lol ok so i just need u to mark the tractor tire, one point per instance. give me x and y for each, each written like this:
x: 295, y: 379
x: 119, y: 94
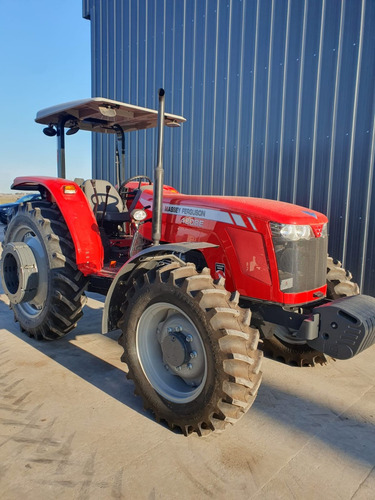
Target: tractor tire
x: 283, y: 348
x: 190, y: 350
x: 339, y: 282
x: 54, y: 305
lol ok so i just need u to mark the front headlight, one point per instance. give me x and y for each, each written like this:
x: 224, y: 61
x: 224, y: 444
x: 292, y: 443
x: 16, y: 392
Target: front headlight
x: 295, y: 233
x: 138, y: 215
x: 291, y: 232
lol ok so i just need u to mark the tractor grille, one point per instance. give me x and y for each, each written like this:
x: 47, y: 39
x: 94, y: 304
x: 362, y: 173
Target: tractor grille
x: 302, y: 264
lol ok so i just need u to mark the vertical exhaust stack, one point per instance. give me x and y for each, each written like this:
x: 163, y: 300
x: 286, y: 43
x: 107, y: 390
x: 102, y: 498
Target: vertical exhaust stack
x: 61, y: 148
x: 159, y: 175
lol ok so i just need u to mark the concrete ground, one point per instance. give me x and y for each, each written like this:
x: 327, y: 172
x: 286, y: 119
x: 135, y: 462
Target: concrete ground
x: 70, y: 427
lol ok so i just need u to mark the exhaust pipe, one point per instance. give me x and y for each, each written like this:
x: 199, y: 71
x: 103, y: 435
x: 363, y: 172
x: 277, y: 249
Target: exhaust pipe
x: 159, y: 175
x: 61, y: 147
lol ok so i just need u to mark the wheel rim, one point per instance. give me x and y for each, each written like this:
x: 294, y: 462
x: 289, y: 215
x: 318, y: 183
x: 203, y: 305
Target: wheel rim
x: 34, y: 307
x: 171, y: 353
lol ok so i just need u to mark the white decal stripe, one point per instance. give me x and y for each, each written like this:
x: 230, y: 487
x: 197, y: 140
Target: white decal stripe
x: 200, y: 213
x: 252, y: 223
x: 238, y: 220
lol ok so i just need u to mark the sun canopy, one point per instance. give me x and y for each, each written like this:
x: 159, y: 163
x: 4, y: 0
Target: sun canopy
x: 99, y: 114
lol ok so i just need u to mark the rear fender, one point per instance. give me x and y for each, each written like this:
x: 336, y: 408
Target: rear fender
x: 77, y: 214
x: 142, y: 262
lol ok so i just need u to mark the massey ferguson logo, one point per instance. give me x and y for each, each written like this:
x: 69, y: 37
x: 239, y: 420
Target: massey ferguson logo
x: 190, y: 214
x: 318, y: 230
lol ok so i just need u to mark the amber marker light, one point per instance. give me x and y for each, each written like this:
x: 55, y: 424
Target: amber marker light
x: 69, y: 189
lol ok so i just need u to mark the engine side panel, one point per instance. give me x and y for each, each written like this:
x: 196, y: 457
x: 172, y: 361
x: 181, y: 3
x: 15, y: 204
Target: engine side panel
x: 240, y: 227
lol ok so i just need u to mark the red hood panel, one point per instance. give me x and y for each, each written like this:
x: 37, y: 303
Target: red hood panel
x: 268, y: 210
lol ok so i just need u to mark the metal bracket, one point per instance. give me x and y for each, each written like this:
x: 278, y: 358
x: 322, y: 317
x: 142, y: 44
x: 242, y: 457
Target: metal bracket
x: 309, y: 330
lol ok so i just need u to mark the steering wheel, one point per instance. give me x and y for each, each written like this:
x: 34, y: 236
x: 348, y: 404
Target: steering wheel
x: 135, y: 178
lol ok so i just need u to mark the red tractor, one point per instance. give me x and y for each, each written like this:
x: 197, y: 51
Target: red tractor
x: 189, y: 280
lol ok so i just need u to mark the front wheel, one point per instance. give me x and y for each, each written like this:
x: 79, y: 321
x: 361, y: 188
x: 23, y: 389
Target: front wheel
x: 189, y: 348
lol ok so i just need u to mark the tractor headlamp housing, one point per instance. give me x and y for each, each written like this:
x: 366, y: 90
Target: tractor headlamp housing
x: 294, y: 232
x: 301, y: 255
x: 138, y: 215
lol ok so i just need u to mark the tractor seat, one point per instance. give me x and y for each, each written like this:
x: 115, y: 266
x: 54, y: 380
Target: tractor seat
x: 115, y: 211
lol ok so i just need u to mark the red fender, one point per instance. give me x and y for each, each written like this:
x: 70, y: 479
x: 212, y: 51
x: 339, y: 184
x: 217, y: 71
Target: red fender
x: 78, y: 216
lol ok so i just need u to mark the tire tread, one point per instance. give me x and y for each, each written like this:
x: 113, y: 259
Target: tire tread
x: 67, y: 282
x: 239, y: 376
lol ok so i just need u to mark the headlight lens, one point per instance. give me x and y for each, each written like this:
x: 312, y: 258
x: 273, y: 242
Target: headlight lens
x: 293, y: 232
x: 138, y: 215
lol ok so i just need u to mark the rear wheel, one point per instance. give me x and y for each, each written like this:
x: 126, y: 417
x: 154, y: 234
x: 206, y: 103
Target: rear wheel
x: 189, y: 348
x: 284, y: 347
x: 39, y: 273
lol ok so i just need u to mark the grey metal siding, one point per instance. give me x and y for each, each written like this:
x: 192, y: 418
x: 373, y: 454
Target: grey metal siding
x: 279, y: 97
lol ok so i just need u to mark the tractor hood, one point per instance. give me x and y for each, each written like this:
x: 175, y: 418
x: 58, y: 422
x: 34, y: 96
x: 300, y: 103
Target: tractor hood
x: 226, y: 208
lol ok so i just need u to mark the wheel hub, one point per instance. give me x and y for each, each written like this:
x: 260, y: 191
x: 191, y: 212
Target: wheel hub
x: 181, y: 348
x: 175, y: 349
x: 171, y: 352
x: 19, y: 272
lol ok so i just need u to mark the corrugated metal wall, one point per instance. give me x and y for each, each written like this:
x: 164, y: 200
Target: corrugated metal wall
x: 279, y: 97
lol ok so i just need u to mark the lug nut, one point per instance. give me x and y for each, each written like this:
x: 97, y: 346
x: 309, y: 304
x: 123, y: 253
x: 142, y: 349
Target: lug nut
x: 170, y: 330
x: 178, y: 329
x: 190, y: 366
x: 193, y: 354
x: 189, y: 338
x: 178, y: 368
x: 166, y: 367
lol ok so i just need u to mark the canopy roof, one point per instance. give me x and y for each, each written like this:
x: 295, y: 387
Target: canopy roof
x: 99, y: 114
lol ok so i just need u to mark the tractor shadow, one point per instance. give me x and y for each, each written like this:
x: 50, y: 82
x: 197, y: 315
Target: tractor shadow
x: 73, y: 353
x: 345, y: 432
